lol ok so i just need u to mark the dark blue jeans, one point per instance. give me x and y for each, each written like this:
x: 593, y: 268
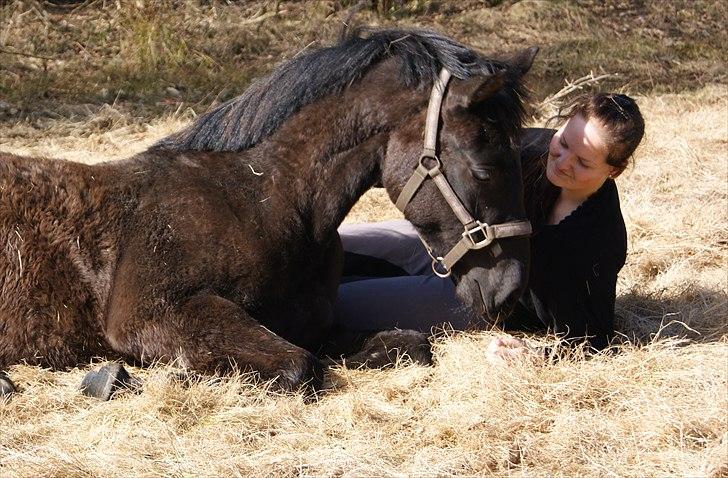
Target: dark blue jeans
x: 416, y: 299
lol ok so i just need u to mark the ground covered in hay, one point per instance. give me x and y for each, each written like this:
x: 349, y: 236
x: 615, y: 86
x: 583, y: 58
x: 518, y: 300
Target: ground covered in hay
x: 656, y: 407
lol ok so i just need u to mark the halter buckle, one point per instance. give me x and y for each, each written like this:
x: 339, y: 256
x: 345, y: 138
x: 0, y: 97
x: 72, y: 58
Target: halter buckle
x: 479, y: 235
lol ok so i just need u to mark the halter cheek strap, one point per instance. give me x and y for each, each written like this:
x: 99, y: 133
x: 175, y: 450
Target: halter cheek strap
x: 477, y: 235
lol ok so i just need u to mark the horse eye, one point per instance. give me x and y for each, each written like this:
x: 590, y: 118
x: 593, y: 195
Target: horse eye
x: 481, y: 174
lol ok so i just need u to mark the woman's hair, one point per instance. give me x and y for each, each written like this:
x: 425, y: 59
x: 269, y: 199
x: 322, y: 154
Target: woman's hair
x: 621, y: 119
x: 624, y: 126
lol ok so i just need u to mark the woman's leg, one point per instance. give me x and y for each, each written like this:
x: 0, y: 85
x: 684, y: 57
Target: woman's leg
x: 393, y: 241
x: 405, y: 302
x: 388, y: 282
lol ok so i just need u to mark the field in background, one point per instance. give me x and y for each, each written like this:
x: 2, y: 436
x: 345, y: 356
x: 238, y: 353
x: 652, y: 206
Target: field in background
x: 114, y: 80
x: 152, y: 57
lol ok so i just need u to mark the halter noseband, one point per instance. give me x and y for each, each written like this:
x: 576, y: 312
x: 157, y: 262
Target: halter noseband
x: 477, y: 235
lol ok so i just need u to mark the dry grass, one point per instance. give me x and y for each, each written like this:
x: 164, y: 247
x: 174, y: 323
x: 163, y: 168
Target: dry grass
x: 658, y: 407
x: 658, y: 410
x: 131, y: 52
x: 652, y: 410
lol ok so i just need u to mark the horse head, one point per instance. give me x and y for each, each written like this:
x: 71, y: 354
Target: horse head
x: 465, y: 196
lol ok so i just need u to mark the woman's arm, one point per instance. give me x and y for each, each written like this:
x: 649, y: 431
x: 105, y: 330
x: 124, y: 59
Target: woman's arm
x: 584, y: 308
x: 575, y: 291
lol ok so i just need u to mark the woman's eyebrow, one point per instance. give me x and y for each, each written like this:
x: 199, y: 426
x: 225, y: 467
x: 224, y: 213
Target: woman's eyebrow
x: 580, y: 158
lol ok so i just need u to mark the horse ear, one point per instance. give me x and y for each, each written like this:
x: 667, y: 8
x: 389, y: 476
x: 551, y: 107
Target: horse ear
x: 522, y: 61
x: 465, y: 94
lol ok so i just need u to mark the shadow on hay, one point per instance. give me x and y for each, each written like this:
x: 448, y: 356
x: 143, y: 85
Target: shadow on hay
x: 695, y: 314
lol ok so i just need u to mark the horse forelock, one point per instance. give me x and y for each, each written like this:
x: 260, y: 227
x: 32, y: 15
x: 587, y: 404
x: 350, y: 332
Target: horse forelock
x: 244, y: 121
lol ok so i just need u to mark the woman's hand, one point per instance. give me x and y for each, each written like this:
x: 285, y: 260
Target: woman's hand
x: 505, y: 349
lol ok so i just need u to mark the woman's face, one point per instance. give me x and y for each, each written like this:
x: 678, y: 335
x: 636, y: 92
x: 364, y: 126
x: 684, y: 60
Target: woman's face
x: 577, y: 160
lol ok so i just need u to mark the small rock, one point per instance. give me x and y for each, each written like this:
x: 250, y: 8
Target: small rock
x: 8, y: 110
x: 173, y: 92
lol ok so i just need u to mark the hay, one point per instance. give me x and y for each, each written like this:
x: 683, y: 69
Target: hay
x: 656, y: 407
x: 652, y: 410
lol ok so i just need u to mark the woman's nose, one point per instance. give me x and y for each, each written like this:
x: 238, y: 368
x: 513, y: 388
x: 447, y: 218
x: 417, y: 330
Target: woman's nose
x: 564, y: 159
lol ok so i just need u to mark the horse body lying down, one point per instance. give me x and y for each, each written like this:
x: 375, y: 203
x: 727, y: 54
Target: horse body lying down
x: 230, y: 258
x: 156, y: 257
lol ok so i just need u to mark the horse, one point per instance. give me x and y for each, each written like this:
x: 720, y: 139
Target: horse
x: 217, y: 247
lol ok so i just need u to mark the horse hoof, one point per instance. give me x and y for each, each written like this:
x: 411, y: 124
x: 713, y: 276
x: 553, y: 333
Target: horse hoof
x: 385, y: 348
x: 7, y: 387
x: 305, y: 374
x: 109, y: 379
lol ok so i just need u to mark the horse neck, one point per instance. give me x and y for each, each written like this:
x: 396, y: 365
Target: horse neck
x: 329, y: 153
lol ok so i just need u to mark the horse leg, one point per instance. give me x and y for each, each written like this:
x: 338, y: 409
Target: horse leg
x: 211, y: 334
x: 377, y: 349
x: 7, y: 387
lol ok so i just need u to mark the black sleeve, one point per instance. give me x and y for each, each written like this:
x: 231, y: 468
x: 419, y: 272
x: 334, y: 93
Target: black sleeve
x: 588, y: 310
x: 585, y: 310
x: 574, y: 294
x: 581, y: 299
x: 523, y: 318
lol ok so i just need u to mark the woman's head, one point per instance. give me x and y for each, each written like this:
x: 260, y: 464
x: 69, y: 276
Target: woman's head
x: 597, y: 141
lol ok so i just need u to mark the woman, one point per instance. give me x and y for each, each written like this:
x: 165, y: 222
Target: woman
x: 578, y: 246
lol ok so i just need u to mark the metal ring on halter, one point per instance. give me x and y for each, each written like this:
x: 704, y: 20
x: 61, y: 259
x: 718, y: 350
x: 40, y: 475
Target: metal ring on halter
x: 438, y: 261
x: 438, y: 163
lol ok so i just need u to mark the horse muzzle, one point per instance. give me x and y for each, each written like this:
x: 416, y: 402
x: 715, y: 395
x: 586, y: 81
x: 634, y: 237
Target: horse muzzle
x: 493, y: 292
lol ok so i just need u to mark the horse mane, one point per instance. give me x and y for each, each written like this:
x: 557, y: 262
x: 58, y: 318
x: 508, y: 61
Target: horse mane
x: 244, y: 121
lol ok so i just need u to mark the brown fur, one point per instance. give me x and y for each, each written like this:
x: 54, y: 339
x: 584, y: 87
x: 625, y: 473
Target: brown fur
x: 222, y: 259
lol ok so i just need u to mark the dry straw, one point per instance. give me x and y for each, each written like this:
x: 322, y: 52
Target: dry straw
x: 655, y: 409
x: 657, y: 406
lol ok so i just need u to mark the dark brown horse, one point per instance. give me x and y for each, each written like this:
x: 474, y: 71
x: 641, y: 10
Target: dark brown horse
x: 218, y: 248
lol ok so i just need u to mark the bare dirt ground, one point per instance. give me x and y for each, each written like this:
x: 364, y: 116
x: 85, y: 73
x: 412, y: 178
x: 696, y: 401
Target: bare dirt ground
x: 657, y: 407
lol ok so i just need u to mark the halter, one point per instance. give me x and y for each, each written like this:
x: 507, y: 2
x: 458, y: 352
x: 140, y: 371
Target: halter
x: 477, y: 235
